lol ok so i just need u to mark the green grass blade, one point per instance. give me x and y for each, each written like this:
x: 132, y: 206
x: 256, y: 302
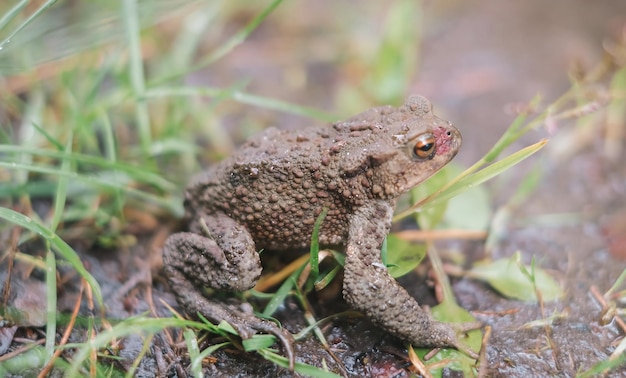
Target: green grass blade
x: 147, y: 344
x: 242, y: 97
x: 240, y: 36
x: 131, y: 23
x: 304, y: 369
x: 257, y: 342
x: 10, y: 15
x: 194, y: 352
x: 111, y: 155
x: 484, y: 174
x: 99, y: 182
x: 210, y: 350
x: 601, y: 368
x: 616, y: 284
x: 30, y: 19
x: 226, y: 47
x: 61, y: 192
x: 32, y: 358
x: 34, y: 108
x: 52, y: 140
x: 57, y: 244
x: 136, y: 325
x: 326, y: 279
x: 281, y: 293
x: 51, y: 295
x: 139, y: 174
x: 510, y: 135
x: 315, y: 245
x: 190, y: 37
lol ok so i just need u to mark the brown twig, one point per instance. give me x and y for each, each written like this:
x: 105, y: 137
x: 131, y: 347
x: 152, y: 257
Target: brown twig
x: 268, y: 281
x: 418, y: 364
x: 482, y: 354
x: 66, y: 335
x: 21, y: 350
x: 600, y: 298
x: 15, y: 236
x: 428, y: 235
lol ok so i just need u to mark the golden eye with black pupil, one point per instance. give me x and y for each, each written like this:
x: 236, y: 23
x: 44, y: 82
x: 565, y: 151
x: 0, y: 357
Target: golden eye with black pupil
x: 424, y: 147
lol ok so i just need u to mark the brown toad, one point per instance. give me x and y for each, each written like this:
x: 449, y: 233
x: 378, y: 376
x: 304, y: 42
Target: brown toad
x: 270, y: 192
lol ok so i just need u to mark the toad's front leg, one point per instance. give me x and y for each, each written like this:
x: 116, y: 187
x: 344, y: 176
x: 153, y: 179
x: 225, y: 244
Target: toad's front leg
x: 369, y: 288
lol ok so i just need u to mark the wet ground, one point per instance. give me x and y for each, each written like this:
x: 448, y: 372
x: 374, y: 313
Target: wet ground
x: 478, y: 58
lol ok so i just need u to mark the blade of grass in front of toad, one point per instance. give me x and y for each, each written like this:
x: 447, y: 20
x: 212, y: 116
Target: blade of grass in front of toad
x: 279, y: 297
x: 556, y: 111
x: 192, y: 348
x: 307, y: 370
x: 509, y: 136
x: 315, y: 245
x: 56, y: 243
x: 467, y: 181
x: 147, y: 346
x: 290, y: 282
x: 131, y: 326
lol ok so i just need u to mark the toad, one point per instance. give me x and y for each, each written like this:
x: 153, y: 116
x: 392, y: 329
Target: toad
x: 268, y: 195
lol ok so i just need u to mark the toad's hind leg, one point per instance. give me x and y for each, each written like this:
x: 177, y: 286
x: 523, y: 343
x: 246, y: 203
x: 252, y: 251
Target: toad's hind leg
x: 217, y: 253
x: 225, y: 259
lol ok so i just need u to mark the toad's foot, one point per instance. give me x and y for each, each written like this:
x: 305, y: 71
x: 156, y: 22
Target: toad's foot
x: 444, y: 335
x: 245, y: 323
x: 464, y: 328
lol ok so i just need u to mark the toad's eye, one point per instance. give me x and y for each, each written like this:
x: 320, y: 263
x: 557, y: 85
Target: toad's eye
x: 424, y: 147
